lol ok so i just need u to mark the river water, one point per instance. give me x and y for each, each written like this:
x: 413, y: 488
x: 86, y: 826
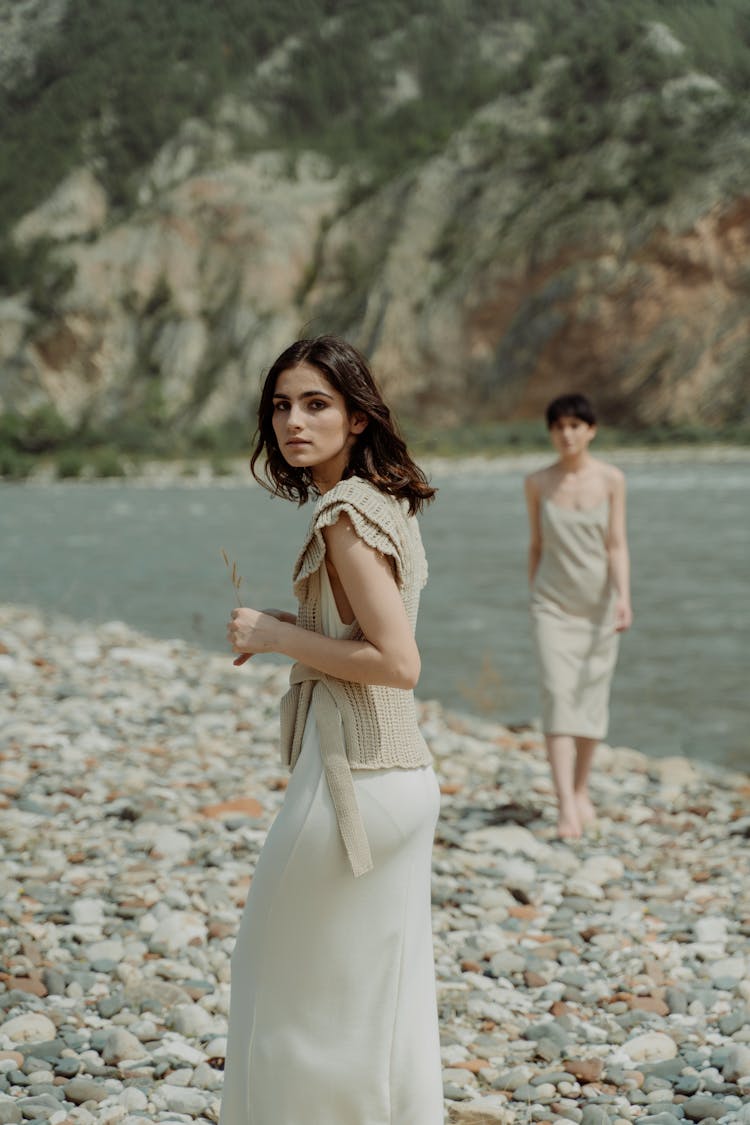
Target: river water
x: 150, y: 556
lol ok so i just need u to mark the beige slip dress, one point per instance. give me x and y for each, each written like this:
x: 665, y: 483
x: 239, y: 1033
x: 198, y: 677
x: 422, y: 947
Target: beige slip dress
x: 333, y: 1017
x: 572, y: 612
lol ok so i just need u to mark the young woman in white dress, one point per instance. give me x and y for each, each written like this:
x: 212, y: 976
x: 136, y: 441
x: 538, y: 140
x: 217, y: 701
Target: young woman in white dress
x: 333, y: 1015
x: 579, y: 574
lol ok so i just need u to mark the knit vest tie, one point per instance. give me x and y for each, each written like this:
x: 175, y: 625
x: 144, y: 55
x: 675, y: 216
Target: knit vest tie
x: 336, y: 767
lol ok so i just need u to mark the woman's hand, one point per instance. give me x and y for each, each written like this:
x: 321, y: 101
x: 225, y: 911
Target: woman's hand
x: 623, y: 615
x: 250, y: 631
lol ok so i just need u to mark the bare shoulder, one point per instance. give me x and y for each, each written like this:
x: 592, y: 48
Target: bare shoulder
x: 614, y: 478
x: 536, y: 483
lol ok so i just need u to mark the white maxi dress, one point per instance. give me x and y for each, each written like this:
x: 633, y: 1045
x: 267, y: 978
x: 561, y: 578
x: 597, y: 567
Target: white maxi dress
x: 333, y: 1017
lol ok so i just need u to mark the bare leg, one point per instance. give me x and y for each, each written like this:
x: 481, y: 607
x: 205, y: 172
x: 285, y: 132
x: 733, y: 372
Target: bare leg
x: 585, y: 748
x: 561, y: 753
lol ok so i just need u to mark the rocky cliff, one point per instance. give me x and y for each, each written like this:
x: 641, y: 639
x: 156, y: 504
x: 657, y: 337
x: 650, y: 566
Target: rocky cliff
x: 508, y: 266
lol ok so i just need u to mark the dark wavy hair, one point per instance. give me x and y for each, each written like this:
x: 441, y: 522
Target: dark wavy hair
x: 379, y: 454
x: 570, y: 406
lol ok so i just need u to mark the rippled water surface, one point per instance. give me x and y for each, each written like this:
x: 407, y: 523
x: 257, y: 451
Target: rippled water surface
x: 150, y: 556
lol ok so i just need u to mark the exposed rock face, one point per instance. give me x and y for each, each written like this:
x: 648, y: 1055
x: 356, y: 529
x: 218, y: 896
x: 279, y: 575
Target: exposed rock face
x: 27, y: 26
x: 77, y: 209
x: 474, y: 283
x: 196, y: 292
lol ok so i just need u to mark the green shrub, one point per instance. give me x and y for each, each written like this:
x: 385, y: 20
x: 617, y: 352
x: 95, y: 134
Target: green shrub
x: 106, y: 462
x: 70, y: 464
x: 39, y: 432
x: 15, y: 465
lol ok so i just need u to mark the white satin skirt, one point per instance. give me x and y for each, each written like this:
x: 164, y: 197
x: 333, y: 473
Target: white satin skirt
x: 333, y: 1017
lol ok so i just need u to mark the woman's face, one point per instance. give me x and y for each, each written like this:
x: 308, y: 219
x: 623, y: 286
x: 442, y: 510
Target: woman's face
x: 313, y: 427
x: 571, y: 435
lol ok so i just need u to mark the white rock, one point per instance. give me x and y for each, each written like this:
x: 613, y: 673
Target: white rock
x: 206, y: 1077
x: 176, y: 931
x: 180, y: 1099
x: 31, y: 1027
x: 87, y: 911
x: 737, y: 1065
x: 507, y: 838
x: 111, y: 949
x: 133, y: 1099
x: 111, y: 1114
x: 711, y: 928
x: 121, y: 1045
x: 653, y: 1046
x: 144, y: 1028
x: 217, y: 1048
x: 601, y: 869
x: 172, y: 843
x: 190, y: 1020
x: 584, y: 888
x: 733, y: 967
x: 181, y: 1076
x: 172, y: 1047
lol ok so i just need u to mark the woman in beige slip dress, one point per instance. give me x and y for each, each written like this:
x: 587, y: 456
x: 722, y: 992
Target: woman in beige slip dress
x: 333, y: 1013
x: 580, y: 600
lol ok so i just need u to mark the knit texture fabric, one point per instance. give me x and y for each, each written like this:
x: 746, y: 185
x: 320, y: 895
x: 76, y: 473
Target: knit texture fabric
x: 378, y: 724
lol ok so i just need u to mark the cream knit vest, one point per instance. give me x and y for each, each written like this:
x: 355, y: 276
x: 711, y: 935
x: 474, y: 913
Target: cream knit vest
x: 378, y: 726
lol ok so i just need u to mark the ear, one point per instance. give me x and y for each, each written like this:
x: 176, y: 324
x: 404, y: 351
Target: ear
x: 358, y: 423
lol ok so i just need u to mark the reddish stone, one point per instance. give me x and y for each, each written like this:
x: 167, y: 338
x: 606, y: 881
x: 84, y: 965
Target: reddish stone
x: 525, y: 913
x: 16, y: 1056
x: 278, y: 783
x: 220, y: 929
x: 649, y: 1004
x: 449, y: 788
x: 74, y: 790
x: 534, y: 980
x: 559, y: 1008
x: 474, y: 1065
x: 585, y: 1070
x: 247, y: 805
x: 27, y: 984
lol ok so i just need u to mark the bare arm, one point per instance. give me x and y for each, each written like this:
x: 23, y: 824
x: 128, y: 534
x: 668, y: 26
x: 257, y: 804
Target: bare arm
x: 531, y: 491
x: 388, y: 655
x: 619, y: 555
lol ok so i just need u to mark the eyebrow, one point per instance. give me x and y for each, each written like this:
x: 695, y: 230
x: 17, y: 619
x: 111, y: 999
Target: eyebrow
x: 306, y: 394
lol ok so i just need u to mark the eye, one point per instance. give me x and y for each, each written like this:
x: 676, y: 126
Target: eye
x: 280, y: 405
x: 318, y: 404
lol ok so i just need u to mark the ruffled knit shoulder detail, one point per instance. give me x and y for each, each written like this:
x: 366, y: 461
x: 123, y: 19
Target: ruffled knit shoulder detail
x: 378, y: 518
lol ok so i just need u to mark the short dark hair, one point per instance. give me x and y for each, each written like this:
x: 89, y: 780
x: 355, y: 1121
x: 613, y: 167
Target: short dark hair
x: 570, y: 406
x: 379, y: 454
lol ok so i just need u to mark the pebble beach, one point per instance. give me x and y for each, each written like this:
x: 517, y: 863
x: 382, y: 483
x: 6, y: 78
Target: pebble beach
x: 605, y: 980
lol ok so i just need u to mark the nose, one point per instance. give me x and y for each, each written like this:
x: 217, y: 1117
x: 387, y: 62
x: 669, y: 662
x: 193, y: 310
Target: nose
x: 294, y: 417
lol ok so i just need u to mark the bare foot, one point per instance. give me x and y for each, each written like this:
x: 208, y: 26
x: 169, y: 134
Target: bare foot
x: 586, y: 811
x: 569, y: 824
